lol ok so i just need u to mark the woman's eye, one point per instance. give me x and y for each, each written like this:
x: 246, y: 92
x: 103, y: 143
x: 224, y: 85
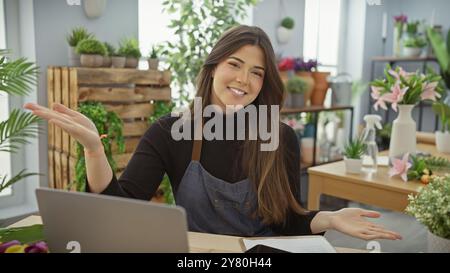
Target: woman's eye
x: 258, y: 74
x: 234, y: 64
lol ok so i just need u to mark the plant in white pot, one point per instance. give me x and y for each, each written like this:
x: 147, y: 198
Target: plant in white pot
x: 353, y: 154
x: 130, y: 49
x: 284, y: 31
x: 76, y: 35
x: 431, y: 207
x: 296, y: 88
x: 443, y: 136
x: 92, y: 52
x: 153, y: 60
x: 412, y: 47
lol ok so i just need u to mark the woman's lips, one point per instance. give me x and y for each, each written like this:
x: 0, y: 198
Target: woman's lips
x: 237, y: 92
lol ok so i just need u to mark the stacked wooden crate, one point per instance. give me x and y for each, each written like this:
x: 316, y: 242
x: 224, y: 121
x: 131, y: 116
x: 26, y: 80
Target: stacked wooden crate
x: 128, y: 92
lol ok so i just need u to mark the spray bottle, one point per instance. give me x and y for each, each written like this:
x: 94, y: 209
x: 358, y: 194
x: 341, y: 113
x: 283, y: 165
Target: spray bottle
x: 369, y: 139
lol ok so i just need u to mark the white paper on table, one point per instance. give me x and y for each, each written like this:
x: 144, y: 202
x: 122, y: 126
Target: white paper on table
x: 295, y: 244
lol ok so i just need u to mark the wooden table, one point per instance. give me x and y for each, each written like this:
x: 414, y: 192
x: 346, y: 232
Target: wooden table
x: 198, y: 242
x: 373, y: 189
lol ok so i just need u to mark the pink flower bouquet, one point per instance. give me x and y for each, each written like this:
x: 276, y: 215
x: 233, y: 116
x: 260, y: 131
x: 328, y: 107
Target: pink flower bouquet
x: 401, y: 87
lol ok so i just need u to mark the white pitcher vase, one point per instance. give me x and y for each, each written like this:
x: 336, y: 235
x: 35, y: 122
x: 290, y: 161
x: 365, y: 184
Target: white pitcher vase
x: 403, y: 135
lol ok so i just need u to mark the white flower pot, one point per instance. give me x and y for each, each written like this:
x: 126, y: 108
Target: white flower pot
x: 443, y: 142
x: 412, y: 51
x: 284, y: 35
x: 353, y: 165
x: 403, y: 136
x: 307, y: 150
x: 436, y: 244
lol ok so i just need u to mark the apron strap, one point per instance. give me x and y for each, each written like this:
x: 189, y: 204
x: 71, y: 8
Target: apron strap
x: 197, y: 144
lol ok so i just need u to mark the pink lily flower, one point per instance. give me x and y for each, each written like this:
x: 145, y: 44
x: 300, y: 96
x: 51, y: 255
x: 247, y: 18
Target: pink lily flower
x: 376, y: 91
x: 429, y: 92
x: 397, y: 95
x: 401, y: 73
x: 401, y: 167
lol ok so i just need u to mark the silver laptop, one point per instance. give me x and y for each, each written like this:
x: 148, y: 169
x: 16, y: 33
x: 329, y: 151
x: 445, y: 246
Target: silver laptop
x: 87, y: 222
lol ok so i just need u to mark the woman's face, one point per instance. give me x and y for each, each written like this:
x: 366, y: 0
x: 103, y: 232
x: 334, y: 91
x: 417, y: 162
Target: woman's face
x: 238, y: 79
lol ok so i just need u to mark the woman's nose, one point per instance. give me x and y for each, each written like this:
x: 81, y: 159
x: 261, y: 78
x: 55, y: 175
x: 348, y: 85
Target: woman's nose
x: 242, y: 78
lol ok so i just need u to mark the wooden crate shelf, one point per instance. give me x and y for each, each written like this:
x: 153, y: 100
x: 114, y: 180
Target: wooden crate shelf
x: 130, y: 93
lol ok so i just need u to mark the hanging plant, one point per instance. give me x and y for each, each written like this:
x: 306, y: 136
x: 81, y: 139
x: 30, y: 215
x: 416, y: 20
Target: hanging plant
x: 107, y: 123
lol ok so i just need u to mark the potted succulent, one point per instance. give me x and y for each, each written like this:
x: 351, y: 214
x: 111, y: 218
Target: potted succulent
x: 431, y: 207
x: 304, y: 69
x: 296, y: 88
x: 284, y: 31
x: 78, y: 34
x: 443, y: 136
x: 110, y: 50
x: 412, y: 47
x: 130, y: 49
x: 118, y: 59
x: 153, y: 60
x: 92, y: 52
x: 353, y: 153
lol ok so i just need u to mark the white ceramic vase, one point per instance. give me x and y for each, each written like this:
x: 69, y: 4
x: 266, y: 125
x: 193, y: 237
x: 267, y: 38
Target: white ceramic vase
x: 403, y: 135
x: 436, y: 244
x: 353, y: 165
x: 443, y: 141
x: 284, y: 35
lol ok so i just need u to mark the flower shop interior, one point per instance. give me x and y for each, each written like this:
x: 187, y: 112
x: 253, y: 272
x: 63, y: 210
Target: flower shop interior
x: 367, y: 92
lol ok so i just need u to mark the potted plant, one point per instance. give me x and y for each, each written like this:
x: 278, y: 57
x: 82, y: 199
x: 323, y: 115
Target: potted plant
x: 296, y: 88
x: 431, y: 207
x: 412, y: 47
x: 441, y: 49
x: 130, y: 49
x: 92, y: 52
x: 353, y: 153
x: 443, y: 136
x: 118, y: 59
x: 78, y: 34
x: 110, y: 50
x: 153, y: 60
x: 304, y: 69
x: 284, y: 31
x: 399, y: 24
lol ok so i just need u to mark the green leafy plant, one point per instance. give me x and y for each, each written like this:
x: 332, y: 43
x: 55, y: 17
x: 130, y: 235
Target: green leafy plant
x: 442, y: 51
x: 288, y: 23
x: 91, y: 46
x: 431, y: 206
x: 110, y: 49
x: 412, y: 27
x: 355, y: 149
x: 78, y: 34
x: 296, y: 85
x: 416, y: 42
x: 129, y: 47
x: 107, y: 123
x: 153, y: 53
x: 16, y: 78
x: 443, y: 110
x: 197, y: 29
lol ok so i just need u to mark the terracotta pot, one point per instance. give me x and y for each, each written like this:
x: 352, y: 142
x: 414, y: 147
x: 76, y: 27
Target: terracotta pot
x: 320, y: 87
x: 284, y: 75
x: 308, y: 78
x: 89, y: 60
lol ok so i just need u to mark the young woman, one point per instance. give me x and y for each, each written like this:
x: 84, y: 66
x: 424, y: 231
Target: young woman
x: 226, y: 186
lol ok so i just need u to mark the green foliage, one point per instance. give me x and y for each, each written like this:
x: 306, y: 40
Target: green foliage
x: 91, y: 46
x: 153, y: 53
x: 129, y: 48
x: 355, y: 149
x: 16, y: 78
x: 421, y: 165
x: 110, y: 49
x: 358, y: 88
x: 78, y: 34
x: 412, y: 27
x: 288, y: 23
x: 416, y: 41
x: 17, y: 129
x: 431, y: 206
x: 442, y: 51
x: 107, y: 123
x: 160, y: 108
x: 198, y: 27
x: 25, y: 235
x: 443, y: 110
x: 296, y: 85
x: 385, y: 131
x: 167, y: 189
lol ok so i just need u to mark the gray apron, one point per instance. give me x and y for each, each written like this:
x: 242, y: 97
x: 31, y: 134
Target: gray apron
x: 215, y: 206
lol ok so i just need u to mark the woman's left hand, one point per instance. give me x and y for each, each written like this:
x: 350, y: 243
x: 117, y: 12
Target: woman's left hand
x: 352, y: 221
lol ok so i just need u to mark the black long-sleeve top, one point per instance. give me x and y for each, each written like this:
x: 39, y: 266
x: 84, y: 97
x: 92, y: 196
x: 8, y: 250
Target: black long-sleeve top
x: 158, y: 153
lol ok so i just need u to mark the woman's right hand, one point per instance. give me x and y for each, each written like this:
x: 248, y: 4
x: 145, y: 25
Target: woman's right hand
x: 74, y: 123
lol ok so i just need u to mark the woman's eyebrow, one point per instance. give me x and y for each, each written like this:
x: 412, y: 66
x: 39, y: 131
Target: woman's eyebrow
x: 241, y: 61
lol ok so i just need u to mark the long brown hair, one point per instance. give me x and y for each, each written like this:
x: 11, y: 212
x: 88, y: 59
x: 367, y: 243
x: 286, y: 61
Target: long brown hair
x: 266, y: 169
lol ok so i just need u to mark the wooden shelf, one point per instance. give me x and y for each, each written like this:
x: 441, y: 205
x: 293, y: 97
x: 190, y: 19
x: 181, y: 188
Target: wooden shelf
x: 402, y: 59
x: 313, y: 109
